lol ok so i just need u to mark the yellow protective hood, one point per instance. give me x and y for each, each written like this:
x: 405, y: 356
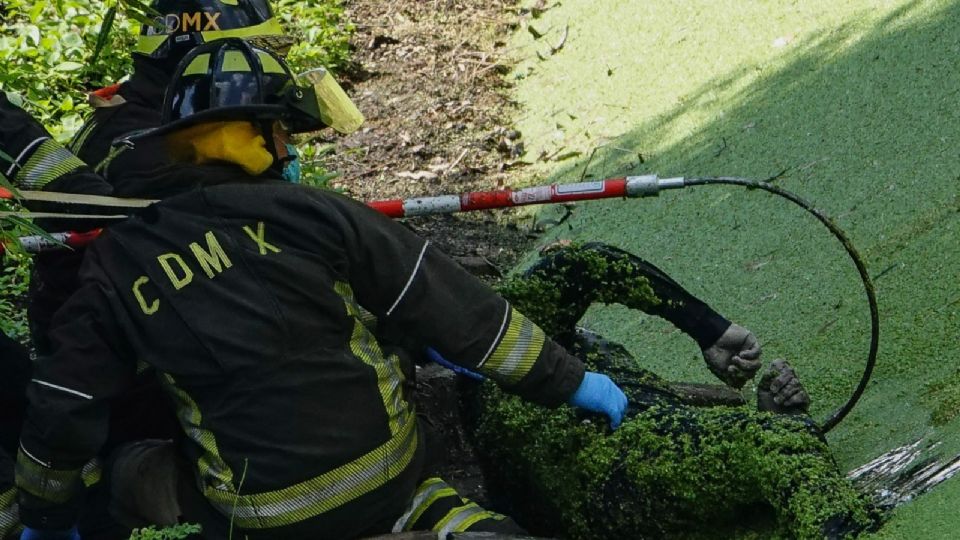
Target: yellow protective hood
x: 236, y: 142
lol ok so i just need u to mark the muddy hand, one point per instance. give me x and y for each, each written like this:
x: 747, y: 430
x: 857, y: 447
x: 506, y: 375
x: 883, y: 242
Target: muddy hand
x: 735, y: 357
x: 780, y: 390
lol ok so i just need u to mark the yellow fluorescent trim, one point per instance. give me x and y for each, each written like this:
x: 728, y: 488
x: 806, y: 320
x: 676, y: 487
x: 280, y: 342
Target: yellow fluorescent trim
x: 270, y: 27
x: 199, y: 65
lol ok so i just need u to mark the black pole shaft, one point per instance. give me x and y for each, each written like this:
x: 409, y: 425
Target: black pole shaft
x: 831, y: 421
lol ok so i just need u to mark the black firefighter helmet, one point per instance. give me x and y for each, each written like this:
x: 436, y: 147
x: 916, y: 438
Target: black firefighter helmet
x: 184, y: 24
x: 231, y: 79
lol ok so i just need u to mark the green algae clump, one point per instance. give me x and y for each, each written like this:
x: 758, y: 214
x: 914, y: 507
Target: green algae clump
x: 671, y: 470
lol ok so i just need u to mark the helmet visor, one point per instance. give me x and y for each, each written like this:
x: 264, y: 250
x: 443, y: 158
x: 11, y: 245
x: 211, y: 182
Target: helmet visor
x: 325, y: 99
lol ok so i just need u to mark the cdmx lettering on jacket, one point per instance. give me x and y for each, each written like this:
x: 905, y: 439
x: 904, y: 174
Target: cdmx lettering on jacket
x: 212, y: 260
x: 198, y: 21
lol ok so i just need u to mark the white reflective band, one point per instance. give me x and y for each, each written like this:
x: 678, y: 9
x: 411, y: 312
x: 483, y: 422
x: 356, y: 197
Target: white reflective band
x: 423, y: 206
x: 409, y: 281
x: 496, y: 340
x: 62, y: 389
x: 327, y: 491
x: 16, y: 162
x: 464, y: 512
x: 417, y: 501
x: 33, y: 457
x: 514, y: 358
x: 47, y: 165
x: 582, y: 187
x: 9, y: 514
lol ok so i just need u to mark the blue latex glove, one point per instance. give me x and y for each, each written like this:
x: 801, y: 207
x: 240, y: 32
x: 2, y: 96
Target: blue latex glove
x: 37, y: 534
x: 598, y: 393
x: 436, y: 357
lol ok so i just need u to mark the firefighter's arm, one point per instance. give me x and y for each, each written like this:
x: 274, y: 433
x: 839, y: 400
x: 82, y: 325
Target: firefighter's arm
x: 67, y: 417
x: 32, y: 160
x: 404, y: 280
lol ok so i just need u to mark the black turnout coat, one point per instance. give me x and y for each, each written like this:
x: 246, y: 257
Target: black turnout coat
x: 247, y: 299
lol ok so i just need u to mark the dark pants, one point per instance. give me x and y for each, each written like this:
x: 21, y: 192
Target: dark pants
x: 15, y: 373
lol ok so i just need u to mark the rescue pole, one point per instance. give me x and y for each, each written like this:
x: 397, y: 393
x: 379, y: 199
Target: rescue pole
x: 620, y: 187
x: 611, y: 188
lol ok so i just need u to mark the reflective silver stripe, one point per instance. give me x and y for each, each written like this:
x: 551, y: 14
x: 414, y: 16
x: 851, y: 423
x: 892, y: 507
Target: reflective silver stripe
x: 9, y: 512
x: 299, y: 501
x: 394, y: 390
x: 512, y: 362
x: 409, y: 281
x: 47, y: 164
x: 16, y: 162
x: 33, y: 457
x: 464, y: 512
x: 421, y: 496
x: 496, y: 340
x: 62, y: 388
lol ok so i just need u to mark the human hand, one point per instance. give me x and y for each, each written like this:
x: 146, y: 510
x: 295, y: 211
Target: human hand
x: 780, y: 390
x: 597, y: 393
x: 39, y: 534
x: 735, y: 357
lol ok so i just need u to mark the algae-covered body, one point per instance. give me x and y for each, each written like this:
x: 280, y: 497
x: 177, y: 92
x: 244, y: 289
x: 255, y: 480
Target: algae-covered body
x: 671, y: 470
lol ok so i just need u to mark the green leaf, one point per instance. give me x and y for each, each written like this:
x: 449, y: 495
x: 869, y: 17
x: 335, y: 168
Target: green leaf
x: 15, y: 99
x: 33, y: 34
x: 35, y: 12
x: 104, y: 35
x: 6, y: 184
x: 68, y: 66
x: 72, y: 39
x: 143, y: 19
x: 143, y: 13
x: 142, y: 7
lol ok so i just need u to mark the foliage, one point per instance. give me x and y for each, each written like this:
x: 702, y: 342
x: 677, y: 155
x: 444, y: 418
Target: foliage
x: 322, y: 36
x: 177, y: 532
x: 45, y: 48
x: 14, y: 281
x: 312, y: 155
x: 321, y: 32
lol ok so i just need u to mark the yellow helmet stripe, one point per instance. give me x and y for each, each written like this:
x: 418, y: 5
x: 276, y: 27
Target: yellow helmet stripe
x: 233, y: 61
x: 270, y: 27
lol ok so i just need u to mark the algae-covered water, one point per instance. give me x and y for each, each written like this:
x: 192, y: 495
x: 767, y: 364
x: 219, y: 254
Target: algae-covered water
x: 858, y: 102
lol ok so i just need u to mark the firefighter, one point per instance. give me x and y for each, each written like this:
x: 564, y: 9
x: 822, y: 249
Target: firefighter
x: 246, y: 296
x: 182, y: 24
x: 119, y: 110
x: 134, y: 105
x: 40, y: 163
